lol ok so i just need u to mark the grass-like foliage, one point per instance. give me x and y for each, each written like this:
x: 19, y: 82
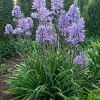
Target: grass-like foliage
x: 48, y: 76
x: 94, y: 66
x: 4, y: 69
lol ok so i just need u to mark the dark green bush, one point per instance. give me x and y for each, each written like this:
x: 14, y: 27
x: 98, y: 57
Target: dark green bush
x: 6, y: 50
x: 26, y: 6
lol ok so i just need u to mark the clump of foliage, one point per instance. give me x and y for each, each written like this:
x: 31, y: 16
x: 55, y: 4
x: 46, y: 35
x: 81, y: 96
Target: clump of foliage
x: 47, y: 76
x: 55, y: 68
x: 6, y: 50
x: 94, y: 67
x: 4, y: 69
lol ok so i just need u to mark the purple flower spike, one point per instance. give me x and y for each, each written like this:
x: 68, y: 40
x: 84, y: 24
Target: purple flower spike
x: 74, y: 12
x: 56, y: 4
x: 41, y: 33
x: 38, y: 4
x: 16, y: 12
x: 8, y: 29
x: 44, y: 14
x: 76, y: 32
x: 63, y: 23
x: 30, y: 21
x: 28, y: 33
x: 25, y: 23
x: 22, y: 23
x: 34, y: 15
x: 18, y: 31
x: 44, y: 34
x: 81, y: 60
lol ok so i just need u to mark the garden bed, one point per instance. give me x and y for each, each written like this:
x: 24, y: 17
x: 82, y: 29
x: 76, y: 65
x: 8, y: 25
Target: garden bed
x: 3, y: 85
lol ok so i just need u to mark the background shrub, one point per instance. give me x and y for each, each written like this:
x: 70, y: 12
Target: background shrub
x: 5, y: 13
x: 90, y: 10
x: 25, y: 6
x: 6, y: 50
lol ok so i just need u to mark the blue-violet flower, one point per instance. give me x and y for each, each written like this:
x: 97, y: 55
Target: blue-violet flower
x: 81, y: 60
x: 8, y: 29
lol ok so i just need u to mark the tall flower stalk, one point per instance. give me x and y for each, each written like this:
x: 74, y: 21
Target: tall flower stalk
x: 56, y: 28
x: 21, y: 30
x: 44, y: 32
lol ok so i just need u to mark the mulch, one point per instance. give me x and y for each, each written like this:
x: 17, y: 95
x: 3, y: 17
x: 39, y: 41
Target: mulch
x: 11, y: 63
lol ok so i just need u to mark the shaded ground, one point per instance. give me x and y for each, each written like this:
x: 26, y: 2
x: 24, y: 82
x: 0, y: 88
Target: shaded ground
x: 11, y: 63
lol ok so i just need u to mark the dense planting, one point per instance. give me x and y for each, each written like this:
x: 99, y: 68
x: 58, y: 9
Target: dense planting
x: 55, y: 66
x: 89, y: 9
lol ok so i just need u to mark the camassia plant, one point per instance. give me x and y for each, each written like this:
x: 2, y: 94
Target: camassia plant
x: 20, y: 34
x: 54, y: 68
x: 55, y: 28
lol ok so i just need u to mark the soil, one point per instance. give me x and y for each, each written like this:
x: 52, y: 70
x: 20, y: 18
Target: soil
x: 11, y: 63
